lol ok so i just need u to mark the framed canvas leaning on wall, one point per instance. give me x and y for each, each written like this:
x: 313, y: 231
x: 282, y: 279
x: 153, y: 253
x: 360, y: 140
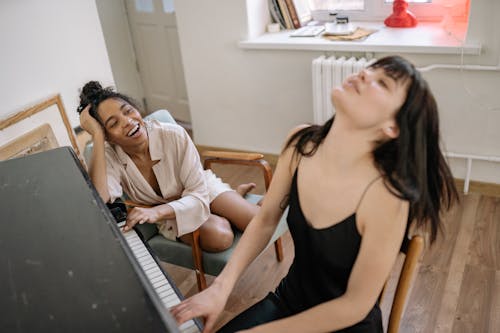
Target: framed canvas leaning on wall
x: 40, y: 127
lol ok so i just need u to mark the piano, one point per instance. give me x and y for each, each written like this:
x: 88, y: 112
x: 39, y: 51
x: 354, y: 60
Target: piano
x: 64, y: 262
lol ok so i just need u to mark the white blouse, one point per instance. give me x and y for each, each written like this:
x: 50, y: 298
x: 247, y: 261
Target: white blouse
x: 179, y: 174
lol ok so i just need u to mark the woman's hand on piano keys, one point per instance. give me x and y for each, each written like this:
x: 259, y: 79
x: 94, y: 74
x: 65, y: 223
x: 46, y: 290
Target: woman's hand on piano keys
x: 140, y: 215
x: 208, y: 304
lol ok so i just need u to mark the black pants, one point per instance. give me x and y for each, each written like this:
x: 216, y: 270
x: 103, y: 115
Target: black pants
x: 266, y: 310
x: 272, y: 308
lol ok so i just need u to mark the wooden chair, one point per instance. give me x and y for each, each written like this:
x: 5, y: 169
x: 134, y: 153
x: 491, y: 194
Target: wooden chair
x: 412, y: 249
x: 180, y: 254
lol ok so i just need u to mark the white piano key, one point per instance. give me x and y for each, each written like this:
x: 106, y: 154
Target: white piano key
x: 155, y: 279
x: 153, y: 273
x: 186, y: 327
x: 191, y: 329
x: 162, y: 287
x: 166, y: 293
x: 171, y: 298
x: 160, y: 283
x: 146, y: 265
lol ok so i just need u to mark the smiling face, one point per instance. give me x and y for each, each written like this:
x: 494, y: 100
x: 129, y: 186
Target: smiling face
x: 122, y: 122
x: 370, y: 100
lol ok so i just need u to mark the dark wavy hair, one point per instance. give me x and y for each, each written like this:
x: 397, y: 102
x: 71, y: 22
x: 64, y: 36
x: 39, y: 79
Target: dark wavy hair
x: 412, y: 164
x: 93, y: 93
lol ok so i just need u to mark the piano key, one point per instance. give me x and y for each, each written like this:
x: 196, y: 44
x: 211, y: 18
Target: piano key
x: 153, y: 273
x: 156, y: 277
x: 160, y: 283
x: 190, y: 329
x: 166, y: 293
x: 163, y: 288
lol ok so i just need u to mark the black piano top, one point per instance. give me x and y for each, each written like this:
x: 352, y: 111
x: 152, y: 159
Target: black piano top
x: 64, y: 265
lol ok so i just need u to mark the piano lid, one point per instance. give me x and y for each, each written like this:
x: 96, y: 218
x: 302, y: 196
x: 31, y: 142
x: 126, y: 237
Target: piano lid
x: 63, y: 264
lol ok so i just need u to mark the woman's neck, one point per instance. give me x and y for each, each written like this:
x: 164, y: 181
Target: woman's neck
x: 346, y: 147
x: 138, y: 152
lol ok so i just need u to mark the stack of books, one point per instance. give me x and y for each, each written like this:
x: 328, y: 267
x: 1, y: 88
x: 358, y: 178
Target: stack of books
x: 290, y: 14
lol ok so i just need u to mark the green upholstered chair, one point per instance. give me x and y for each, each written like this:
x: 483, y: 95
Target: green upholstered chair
x: 178, y: 253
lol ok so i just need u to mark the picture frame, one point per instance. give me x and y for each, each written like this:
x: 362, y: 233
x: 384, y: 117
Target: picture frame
x: 40, y: 127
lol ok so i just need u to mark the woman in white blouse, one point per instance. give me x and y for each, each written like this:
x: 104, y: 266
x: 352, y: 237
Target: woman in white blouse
x: 157, y: 164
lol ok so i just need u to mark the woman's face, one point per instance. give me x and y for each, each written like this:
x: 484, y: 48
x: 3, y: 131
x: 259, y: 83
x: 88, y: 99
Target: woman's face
x: 370, y: 99
x: 122, y: 122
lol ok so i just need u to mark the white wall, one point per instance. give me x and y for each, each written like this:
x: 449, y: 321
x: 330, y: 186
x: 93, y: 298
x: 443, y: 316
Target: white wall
x: 49, y: 47
x: 116, y: 30
x: 249, y: 99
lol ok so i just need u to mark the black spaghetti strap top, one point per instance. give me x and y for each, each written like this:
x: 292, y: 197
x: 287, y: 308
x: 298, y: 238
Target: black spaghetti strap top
x: 322, y: 265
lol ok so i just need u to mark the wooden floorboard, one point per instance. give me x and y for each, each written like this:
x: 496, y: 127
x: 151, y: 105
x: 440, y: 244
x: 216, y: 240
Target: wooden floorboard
x: 472, y: 313
x: 495, y: 305
x: 457, y: 288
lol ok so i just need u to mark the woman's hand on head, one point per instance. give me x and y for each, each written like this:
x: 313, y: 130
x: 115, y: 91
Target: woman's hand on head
x: 89, y: 123
x: 208, y: 304
x: 140, y: 215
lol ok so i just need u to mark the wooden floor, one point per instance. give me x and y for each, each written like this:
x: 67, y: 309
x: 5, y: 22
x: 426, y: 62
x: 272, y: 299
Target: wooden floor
x: 457, y: 288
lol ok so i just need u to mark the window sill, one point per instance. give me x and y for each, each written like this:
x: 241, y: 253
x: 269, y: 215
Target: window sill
x: 426, y: 38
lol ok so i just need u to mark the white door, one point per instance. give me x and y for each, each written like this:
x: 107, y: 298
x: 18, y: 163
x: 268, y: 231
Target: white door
x: 121, y: 53
x: 154, y: 32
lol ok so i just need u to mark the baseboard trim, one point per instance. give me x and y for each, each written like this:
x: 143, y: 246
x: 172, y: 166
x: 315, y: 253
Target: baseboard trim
x: 490, y: 189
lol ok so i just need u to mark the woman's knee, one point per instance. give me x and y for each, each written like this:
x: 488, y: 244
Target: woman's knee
x: 233, y: 207
x: 216, y: 234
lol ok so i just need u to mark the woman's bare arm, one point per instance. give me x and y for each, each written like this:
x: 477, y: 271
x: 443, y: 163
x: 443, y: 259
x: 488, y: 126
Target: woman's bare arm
x: 97, y: 166
x: 211, y: 301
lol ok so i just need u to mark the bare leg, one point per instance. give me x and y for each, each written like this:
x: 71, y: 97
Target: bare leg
x: 215, y: 235
x: 234, y: 208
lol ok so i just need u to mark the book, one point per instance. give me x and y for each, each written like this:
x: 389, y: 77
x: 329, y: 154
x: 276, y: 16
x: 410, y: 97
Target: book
x: 276, y: 13
x: 286, y: 15
x: 303, y: 11
x: 293, y: 14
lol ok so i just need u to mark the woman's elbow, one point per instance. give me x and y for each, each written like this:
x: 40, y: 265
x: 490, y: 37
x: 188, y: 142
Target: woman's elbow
x: 359, y: 307
x: 104, y: 194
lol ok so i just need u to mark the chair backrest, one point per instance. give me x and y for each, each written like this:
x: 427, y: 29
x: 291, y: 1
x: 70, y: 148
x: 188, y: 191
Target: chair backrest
x: 161, y: 115
x: 412, y: 248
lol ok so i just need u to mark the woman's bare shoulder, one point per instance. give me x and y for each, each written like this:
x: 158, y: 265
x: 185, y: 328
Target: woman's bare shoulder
x: 289, y: 155
x: 384, y: 206
x: 295, y: 130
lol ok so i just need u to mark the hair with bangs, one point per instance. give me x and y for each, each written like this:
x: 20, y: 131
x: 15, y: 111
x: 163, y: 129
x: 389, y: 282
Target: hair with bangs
x: 412, y: 164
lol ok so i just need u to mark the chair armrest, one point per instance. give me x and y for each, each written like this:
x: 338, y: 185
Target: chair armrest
x: 232, y: 155
x: 238, y: 158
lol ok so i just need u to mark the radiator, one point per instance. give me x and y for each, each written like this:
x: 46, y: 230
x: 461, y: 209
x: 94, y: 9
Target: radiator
x: 326, y: 74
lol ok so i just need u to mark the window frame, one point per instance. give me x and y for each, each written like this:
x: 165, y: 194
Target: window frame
x: 378, y: 10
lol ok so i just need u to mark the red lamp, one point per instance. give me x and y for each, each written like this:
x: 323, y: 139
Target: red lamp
x: 401, y: 17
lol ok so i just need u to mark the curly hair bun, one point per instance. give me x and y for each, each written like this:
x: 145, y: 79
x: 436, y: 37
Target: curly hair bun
x: 93, y: 94
x: 90, y: 93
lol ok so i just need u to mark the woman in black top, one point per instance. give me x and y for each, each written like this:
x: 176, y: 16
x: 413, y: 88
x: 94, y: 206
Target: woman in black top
x: 354, y: 185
